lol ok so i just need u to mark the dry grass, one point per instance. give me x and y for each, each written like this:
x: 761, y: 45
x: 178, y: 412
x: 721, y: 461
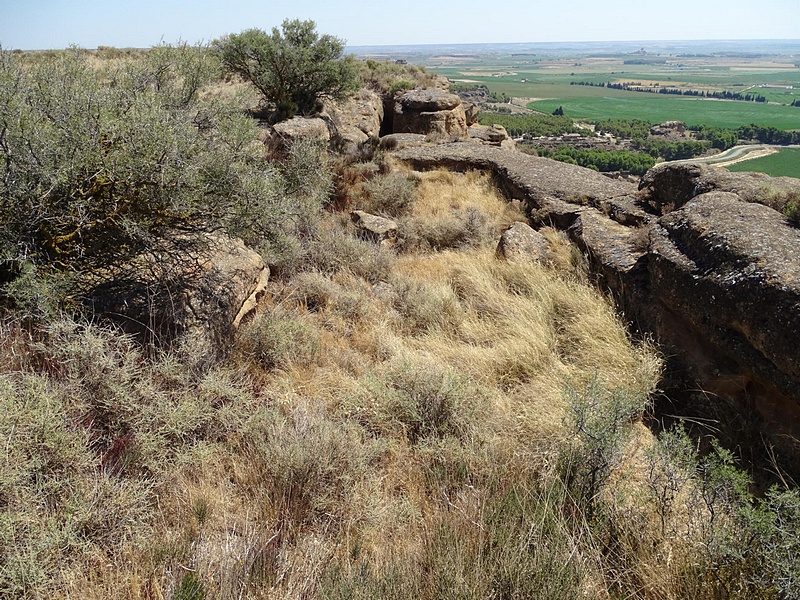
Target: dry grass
x: 389, y: 437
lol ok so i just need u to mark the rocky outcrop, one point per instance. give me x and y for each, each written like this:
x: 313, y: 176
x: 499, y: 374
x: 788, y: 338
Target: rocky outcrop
x: 729, y: 269
x: 471, y: 111
x: 671, y: 185
x: 429, y: 111
x: 535, y: 180
x: 374, y: 228
x: 196, y: 288
x: 357, y: 120
x: 284, y: 134
x: 491, y: 135
x: 521, y: 243
x: 695, y: 259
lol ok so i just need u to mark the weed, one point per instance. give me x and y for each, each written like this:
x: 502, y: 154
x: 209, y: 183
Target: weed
x: 278, y: 340
x: 389, y: 195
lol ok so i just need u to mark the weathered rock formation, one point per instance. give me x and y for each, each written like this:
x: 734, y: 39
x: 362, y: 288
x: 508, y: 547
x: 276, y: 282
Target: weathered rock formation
x: 283, y: 134
x: 695, y: 258
x: 357, y: 120
x: 374, y: 228
x: 429, y: 111
x: 521, y: 243
x: 491, y: 135
x: 189, y: 287
x: 671, y: 185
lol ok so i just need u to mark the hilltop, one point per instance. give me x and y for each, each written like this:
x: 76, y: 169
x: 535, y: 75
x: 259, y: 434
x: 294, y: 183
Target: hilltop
x: 376, y: 351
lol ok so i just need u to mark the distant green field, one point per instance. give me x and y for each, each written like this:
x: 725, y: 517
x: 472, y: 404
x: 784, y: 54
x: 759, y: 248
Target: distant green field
x: 548, y: 79
x: 617, y: 104
x: 785, y: 163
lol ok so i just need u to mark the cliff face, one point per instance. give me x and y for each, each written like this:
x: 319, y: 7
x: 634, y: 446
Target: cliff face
x: 694, y: 258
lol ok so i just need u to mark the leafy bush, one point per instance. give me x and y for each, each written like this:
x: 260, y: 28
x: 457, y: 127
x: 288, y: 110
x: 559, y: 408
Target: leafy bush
x: 458, y: 229
x: 333, y: 251
x: 386, y: 77
x: 292, y: 68
x: 389, y: 195
x: 278, y: 340
x: 58, y: 506
x: 101, y: 165
x: 418, y: 402
x: 601, y: 423
x: 792, y: 209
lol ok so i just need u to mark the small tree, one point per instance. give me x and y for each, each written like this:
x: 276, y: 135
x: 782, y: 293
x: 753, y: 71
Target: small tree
x: 293, y: 69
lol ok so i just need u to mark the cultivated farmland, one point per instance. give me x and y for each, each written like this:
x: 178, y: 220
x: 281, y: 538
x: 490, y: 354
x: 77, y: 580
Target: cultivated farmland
x: 551, y: 77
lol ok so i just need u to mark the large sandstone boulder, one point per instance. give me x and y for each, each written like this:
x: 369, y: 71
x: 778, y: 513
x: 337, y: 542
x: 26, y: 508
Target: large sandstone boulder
x: 491, y: 135
x: 198, y: 287
x: 283, y: 134
x: 429, y: 111
x: 356, y: 120
x: 671, y: 185
x: 521, y: 243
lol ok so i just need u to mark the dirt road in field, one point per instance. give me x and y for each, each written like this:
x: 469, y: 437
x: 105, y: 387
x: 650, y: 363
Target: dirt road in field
x: 737, y: 154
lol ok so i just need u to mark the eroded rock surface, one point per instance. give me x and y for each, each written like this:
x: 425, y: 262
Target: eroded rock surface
x: 429, y: 111
x: 671, y: 185
x: 521, y: 243
x: 374, y: 228
x: 197, y: 287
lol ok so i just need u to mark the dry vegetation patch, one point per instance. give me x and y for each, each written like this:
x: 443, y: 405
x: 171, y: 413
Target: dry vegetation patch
x: 428, y: 421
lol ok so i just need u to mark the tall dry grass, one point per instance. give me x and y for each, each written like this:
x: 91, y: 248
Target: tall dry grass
x: 424, y: 426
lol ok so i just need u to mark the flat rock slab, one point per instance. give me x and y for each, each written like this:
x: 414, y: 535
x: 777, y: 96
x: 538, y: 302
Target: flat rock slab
x: 531, y: 178
x: 374, y: 228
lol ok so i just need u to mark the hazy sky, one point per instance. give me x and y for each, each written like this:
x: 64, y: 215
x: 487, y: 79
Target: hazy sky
x: 38, y: 24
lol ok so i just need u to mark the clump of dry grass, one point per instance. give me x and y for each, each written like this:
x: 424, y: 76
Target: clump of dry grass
x: 455, y: 210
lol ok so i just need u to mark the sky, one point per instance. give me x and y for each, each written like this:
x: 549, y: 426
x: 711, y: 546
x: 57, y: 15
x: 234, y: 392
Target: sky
x: 43, y: 24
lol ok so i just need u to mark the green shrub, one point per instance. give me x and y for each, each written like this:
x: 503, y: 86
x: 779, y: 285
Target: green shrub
x: 424, y: 308
x: 600, y: 422
x: 58, y: 506
x: 386, y: 77
x: 401, y: 85
x: 792, y: 209
x: 332, y: 251
x: 99, y: 166
x: 418, y: 402
x: 279, y: 339
x: 292, y: 68
x: 457, y: 230
x: 390, y: 195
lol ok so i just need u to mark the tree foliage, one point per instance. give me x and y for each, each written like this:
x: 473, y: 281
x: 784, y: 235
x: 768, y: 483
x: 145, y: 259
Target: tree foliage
x: 292, y: 68
x: 637, y: 163
x: 535, y: 125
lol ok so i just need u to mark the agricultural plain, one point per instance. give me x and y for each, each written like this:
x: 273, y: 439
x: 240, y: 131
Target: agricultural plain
x: 785, y: 163
x: 549, y: 77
